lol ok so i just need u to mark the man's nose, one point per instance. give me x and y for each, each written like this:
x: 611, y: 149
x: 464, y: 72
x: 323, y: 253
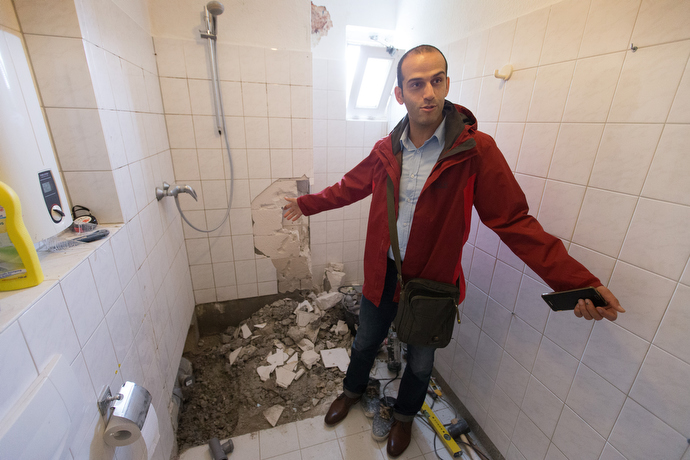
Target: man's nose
x: 428, y: 91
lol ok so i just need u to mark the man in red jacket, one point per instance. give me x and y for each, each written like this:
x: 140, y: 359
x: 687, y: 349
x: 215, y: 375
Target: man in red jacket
x: 441, y: 166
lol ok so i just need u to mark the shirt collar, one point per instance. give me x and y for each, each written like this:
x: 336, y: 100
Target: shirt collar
x: 439, y: 134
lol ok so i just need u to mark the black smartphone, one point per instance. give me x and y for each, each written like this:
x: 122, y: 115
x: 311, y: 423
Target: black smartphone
x: 567, y: 300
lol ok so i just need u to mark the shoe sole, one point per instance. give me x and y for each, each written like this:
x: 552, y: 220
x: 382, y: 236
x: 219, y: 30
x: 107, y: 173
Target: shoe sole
x: 368, y: 414
x: 379, y: 438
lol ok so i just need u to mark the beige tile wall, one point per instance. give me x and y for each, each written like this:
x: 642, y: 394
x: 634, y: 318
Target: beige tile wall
x: 597, y: 135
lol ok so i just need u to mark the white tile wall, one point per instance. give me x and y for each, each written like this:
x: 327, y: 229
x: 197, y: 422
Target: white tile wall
x: 339, y: 145
x: 594, y: 133
x: 96, y: 72
x: 267, y: 100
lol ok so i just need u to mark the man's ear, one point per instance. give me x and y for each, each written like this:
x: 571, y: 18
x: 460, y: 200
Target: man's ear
x: 398, y: 95
x: 447, y: 85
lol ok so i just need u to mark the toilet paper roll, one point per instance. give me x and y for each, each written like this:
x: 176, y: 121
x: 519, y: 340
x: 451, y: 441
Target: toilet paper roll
x: 124, y: 432
x: 150, y: 435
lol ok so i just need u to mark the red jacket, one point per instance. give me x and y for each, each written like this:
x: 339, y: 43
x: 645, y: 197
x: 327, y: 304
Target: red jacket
x: 470, y: 171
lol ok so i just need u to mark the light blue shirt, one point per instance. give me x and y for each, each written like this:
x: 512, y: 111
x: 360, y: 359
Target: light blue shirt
x: 416, y: 167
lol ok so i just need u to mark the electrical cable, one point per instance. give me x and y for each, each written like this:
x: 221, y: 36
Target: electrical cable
x: 383, y: 391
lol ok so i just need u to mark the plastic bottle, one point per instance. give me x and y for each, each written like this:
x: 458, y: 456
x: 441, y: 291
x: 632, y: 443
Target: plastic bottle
x: 19, y: 265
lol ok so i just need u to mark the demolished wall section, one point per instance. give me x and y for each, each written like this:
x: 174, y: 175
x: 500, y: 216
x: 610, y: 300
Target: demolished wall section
x: 285, y: 242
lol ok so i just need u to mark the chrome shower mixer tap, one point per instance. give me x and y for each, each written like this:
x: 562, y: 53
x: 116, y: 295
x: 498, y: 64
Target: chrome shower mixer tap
x: 176, y: 190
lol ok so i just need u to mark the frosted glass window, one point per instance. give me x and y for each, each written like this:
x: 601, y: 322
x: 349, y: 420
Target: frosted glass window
x: 373, y: 83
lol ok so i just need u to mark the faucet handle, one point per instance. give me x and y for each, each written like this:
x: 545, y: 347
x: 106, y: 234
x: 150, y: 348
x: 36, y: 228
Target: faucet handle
x: 162, y: 192
x: 190, y: 190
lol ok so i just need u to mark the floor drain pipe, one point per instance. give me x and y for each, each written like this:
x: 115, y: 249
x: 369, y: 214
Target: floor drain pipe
x: 218, y: 450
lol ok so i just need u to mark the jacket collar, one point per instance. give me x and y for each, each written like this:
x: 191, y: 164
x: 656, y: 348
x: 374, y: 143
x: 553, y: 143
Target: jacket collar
x: 460, y: 124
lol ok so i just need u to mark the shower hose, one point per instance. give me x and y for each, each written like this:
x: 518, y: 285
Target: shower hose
x: 218, y: 100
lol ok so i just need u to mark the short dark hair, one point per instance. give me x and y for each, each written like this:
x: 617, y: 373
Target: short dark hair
x: 421, y: 49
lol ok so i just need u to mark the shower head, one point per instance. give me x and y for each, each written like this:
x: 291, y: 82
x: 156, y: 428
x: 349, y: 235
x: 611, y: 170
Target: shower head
x: 215, y: 8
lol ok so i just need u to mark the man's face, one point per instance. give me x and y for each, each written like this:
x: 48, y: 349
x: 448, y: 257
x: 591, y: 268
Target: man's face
x: 424, y: 88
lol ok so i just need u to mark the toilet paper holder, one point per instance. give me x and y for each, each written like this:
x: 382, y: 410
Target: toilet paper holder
x: 132, y: 402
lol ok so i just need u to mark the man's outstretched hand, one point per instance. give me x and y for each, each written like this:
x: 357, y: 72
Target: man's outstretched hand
x: 291, y: 210
x: 586, y: 309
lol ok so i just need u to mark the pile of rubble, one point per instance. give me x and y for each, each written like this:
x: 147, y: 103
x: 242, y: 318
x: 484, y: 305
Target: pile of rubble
x: 282, y: 364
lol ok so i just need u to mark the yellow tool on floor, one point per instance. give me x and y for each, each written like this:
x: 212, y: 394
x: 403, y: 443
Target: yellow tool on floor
x: 434, y: 386
x: 438, y: 427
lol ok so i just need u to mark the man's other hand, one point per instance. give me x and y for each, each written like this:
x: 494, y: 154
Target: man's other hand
x: 586, y: 309
x: 291, y: 210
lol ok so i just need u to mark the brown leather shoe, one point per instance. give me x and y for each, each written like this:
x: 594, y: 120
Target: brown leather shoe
x: 339, y: 409
x: 399, y: 437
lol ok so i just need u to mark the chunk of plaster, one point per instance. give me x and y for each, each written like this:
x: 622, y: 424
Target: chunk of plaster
x: 341, y: 328
x: 328, y: 300
x: 309, y: 358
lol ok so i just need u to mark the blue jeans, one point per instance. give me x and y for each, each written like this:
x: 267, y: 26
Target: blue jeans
x: 374, y: 323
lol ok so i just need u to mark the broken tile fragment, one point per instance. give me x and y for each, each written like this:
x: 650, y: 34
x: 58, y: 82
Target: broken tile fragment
x: 309, y: 358
x: 294, y: 357
x: 330, y: 344
x: 284, y: 377
x: 264, y: 372
x: 304, y: 318
x: 328, y: 300
x: 290, y: 351
x: 260, y: 326
x: 278, y: 358
x: 246, y: 332
x: 288, y: 366
x: 304, y: 306
x: 272, y: 414
x: 336, y: 357
x: 306, y: 344
x: 300, y: 373
x: 279, y: 344
x: 233, y: 355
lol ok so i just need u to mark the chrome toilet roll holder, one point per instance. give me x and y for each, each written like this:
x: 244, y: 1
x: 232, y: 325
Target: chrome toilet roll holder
x: 132, y: 402
x: 106, y: 401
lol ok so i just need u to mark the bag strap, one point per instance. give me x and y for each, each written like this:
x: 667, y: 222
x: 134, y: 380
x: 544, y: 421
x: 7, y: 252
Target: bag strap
x: 393, y: 228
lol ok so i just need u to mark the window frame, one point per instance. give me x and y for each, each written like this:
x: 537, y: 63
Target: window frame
x: 378, y: 113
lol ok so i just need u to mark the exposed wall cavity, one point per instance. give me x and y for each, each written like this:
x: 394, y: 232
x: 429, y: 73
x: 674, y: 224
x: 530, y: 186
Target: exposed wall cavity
x: 320, y: 23
x: 285, y: 242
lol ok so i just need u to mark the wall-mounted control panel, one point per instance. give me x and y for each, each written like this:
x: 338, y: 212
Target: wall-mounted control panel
x: 50, y: 195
